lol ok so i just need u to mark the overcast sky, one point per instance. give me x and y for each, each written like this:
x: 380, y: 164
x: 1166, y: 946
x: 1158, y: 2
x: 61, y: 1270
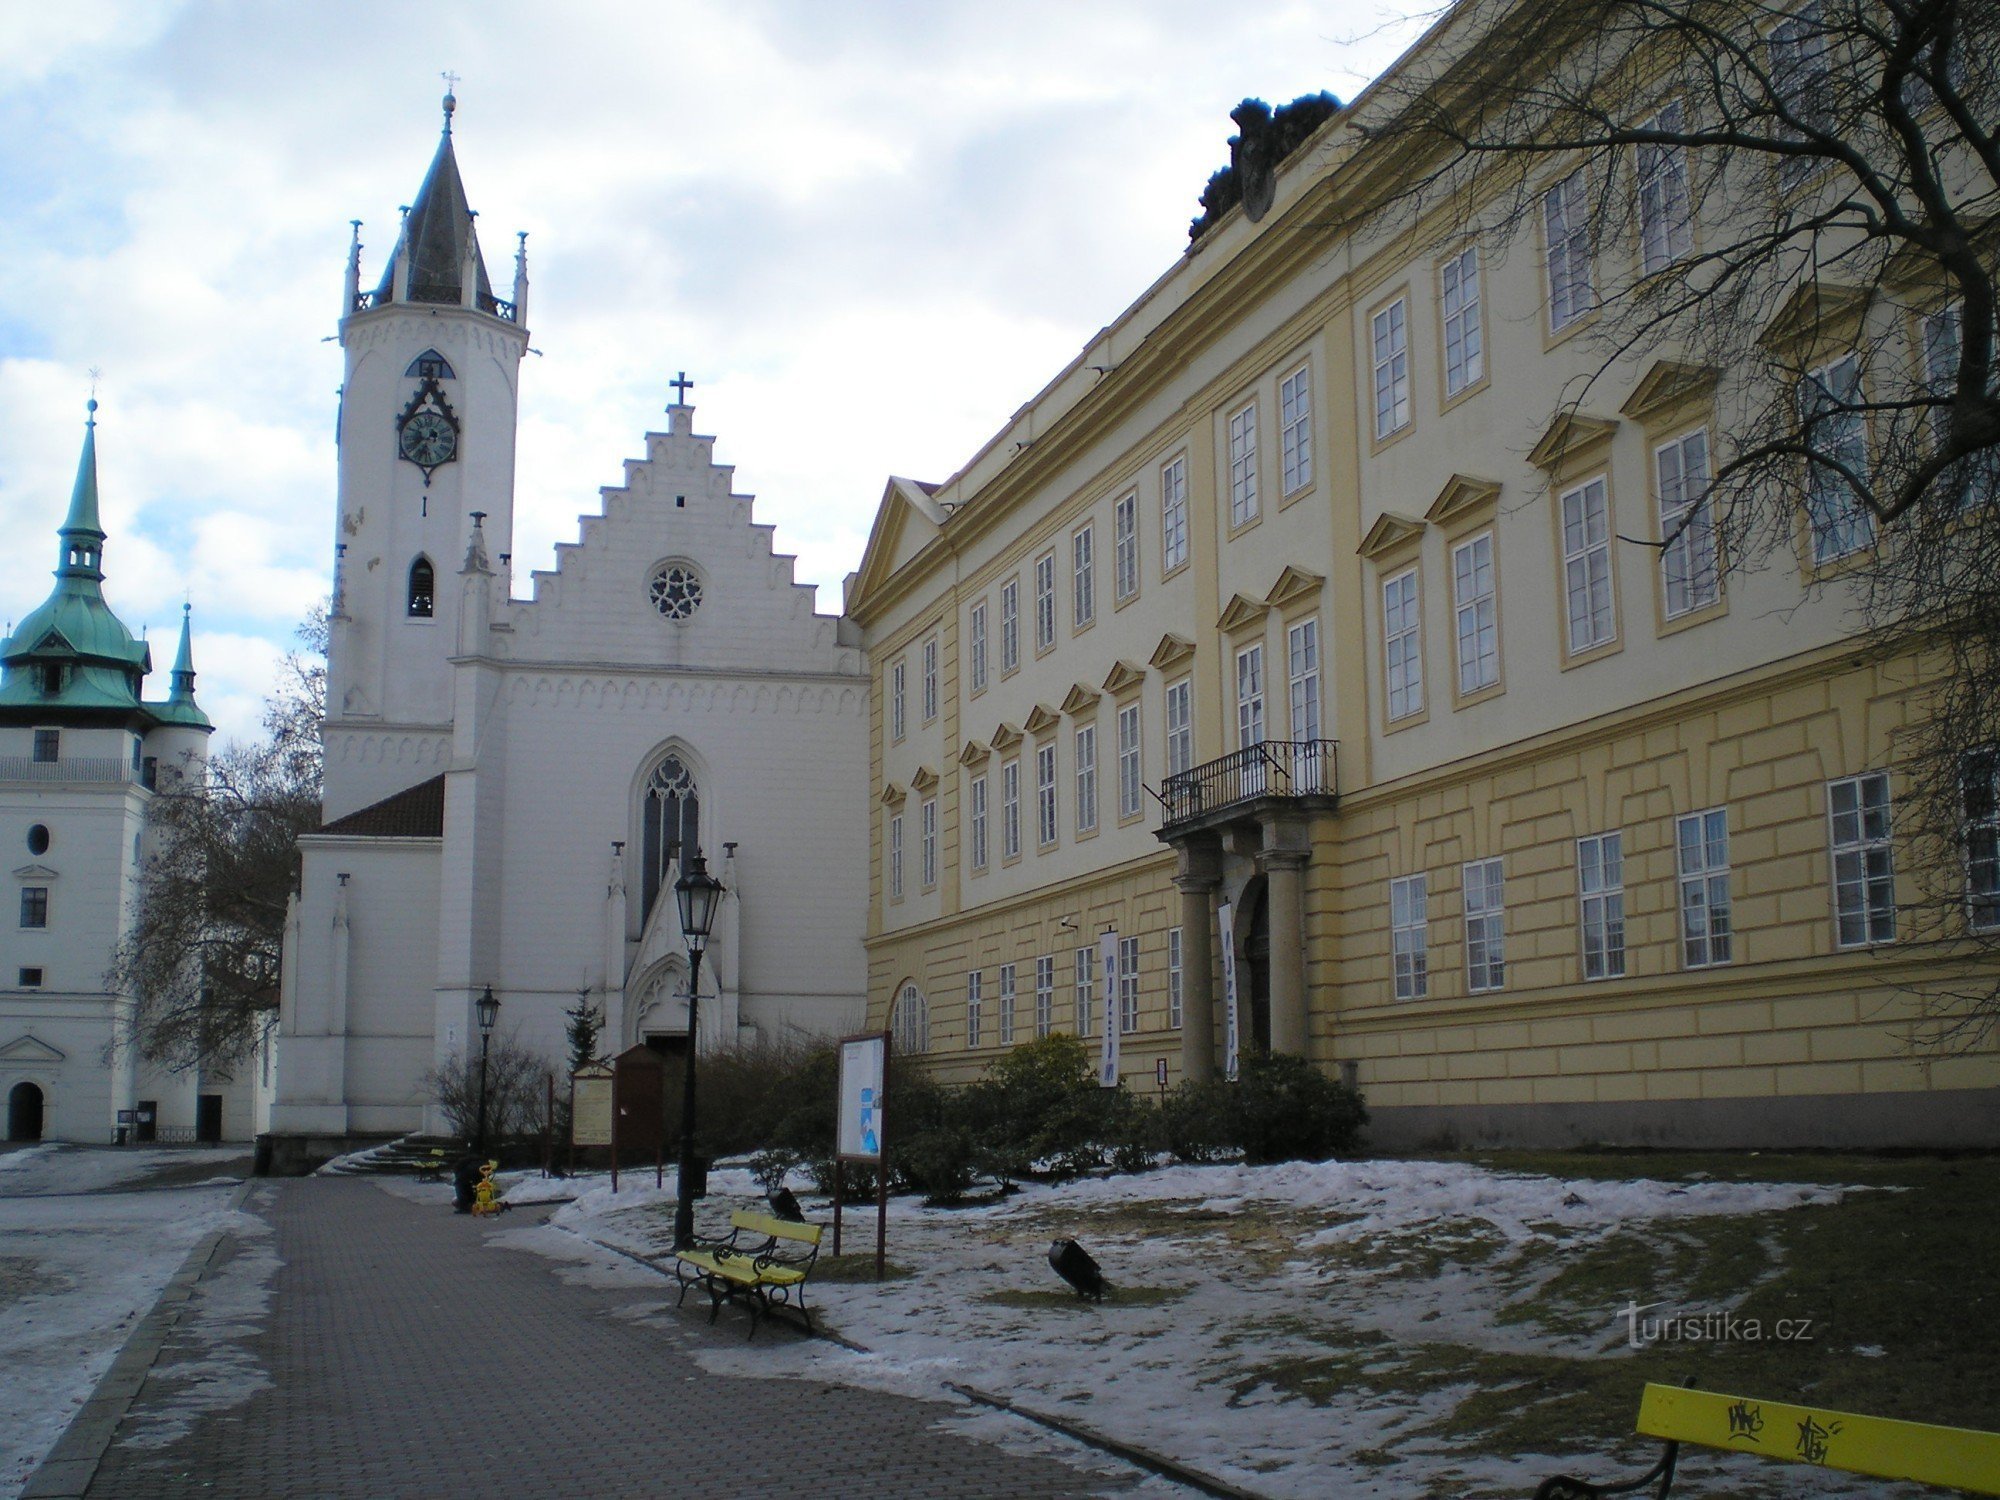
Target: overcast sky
x: 867, y: 231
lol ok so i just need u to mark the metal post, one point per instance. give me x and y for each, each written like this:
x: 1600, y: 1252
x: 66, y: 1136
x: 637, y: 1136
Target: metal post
x: 684, y: 1189
x: 479, y: 1149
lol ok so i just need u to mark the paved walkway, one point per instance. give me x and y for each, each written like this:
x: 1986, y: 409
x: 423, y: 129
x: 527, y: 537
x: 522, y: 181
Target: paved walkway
x: 408, y: 1356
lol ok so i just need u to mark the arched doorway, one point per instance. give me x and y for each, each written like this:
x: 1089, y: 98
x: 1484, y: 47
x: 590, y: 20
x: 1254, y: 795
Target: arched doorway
x: 24, y: 1112
x: 1256, y: 940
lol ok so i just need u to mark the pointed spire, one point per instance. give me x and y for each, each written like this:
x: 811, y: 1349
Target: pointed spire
x: 183, y: 677
x: 437, y: 257
x: 82, y: 534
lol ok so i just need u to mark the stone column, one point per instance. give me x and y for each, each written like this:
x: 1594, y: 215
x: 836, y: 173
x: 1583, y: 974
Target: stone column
x: 1284, y: 876
x: 1199, y: 878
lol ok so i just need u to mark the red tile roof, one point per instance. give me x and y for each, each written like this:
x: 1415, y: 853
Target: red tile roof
x: 417, y: 813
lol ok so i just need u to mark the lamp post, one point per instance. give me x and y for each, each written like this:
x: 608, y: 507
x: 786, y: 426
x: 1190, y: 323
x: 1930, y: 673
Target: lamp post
x: 489, y: 1011
x: 698, y: 894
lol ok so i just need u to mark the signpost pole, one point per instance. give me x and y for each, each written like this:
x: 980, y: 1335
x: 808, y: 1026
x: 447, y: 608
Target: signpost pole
x: 839, y: 1183
x: 882, y: 1164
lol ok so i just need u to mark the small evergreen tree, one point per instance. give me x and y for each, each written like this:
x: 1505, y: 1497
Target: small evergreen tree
x: 583, y: 1029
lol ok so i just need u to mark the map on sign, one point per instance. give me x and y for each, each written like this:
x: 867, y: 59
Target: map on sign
x: 863, y: 1063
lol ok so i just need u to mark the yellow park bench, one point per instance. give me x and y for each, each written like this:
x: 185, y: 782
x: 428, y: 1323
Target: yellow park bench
x: 1956, y: 1457
x: 765, y: 1262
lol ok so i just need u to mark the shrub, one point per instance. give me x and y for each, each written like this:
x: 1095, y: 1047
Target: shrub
x: 1040, y: 1108
x: 1285, y: 1109
x: 1197, y: 1121
x: 516, y: 1091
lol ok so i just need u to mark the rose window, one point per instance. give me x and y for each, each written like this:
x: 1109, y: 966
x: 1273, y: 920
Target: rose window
x: 675, y: 590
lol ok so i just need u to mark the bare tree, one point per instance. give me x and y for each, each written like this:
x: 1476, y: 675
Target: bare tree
x: 202, y: 955
x: 1796, y: 202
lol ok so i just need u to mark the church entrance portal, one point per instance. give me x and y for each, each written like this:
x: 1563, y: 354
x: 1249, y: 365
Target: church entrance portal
x: 24, y: 1113
x: 1257, y: 966
x: 669, y: 1044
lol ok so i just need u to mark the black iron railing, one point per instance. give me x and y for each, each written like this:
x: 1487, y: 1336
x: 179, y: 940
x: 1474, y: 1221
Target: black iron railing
x: 1276, y: 768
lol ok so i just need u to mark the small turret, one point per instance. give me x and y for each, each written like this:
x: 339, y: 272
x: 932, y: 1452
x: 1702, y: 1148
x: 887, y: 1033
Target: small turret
x: 180, y: 707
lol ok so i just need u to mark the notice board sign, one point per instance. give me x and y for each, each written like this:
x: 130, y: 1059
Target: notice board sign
x: 864, y: 1067
x: 590, y: 1105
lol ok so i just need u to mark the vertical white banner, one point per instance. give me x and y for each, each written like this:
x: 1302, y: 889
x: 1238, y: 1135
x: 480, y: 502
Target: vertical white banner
x: 1107, y: 1065
x: 1225, y: 919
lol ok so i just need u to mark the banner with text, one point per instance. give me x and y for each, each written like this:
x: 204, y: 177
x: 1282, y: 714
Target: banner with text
x: 1107, y: 1063
x: 1225, y: 918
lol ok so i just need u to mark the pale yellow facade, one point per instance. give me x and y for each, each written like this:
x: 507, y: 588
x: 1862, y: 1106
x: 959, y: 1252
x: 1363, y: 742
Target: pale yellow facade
x: 1330, y: 547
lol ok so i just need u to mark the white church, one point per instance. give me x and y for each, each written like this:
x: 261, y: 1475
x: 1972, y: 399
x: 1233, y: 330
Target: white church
x: 511, y: 783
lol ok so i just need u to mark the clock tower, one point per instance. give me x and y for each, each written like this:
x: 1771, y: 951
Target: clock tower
x: 426, y: 436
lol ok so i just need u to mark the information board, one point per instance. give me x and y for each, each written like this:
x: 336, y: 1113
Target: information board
x: 863, y: 1066
x: 590, y: 1106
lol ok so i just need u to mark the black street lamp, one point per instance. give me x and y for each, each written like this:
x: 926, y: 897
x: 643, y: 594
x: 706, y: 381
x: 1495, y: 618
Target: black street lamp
x: 489, y: 1012
x: 698, y: 893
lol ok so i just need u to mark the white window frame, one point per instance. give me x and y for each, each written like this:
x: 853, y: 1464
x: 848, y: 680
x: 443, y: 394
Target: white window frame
x: 1801, y: 71
x: 1006, y: 1005
x: 1175, y: 993
x: 1302, y: 678
x: 1475, y: 604
x: 927, y: 843
x: 1045, y: 795
x: 1085, y: 968
x: 1701, y: 858
x: 1180, y: 726
x: 1131, y: 785
x: 1045, y: 602
x: 1566, y: 229
x: 1010, y: 810
x: 1666, y: 212
x: 975, y: 1007
x: 1485, y: 926
x: 1978, y: 479
x: 912, y: 1021
x: 1590, y: 595
x: 1243, y: 466
x: 1125, y: 545
x: 1402, y: 645
x: 1173, y: 514
x: 1600, y: 904
x: 898, y: 703
x: 1045, y: 994
x: 895, y: 856
x: 1083, y: 559
x: 1010, y: 625
x: 930, y: 659
x: 976, y: 638
x: 1690, y: 573
x: 1861, y: 851
x: 1128, y: 985
x: 1409, y: 936
x: 1086, y: 779
x: 977, y: 799
x: 1389, y: 345
x: 1250, y: 726
x: 1839, y: 523
x: 1464, y: 331
x: 1295, y: 430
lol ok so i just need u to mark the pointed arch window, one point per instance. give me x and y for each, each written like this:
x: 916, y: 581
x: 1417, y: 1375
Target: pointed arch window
x: 430, y: 365
x: 671, y: 823
x: 423, y: 589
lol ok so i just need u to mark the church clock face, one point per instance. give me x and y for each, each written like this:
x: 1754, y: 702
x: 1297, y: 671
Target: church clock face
x: 427, y: 431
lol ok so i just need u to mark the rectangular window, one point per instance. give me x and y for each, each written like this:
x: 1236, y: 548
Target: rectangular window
x: 1173, y: 515
x: 1125, y: 545
x: 1666, y: 223
x: 1086, y: 988
x: 1045, y: 794
x: 1128, y: 985
x: 1475, y: 614
x: 1295, y: 430
x: 1485, y: 923
x: 1600, y: 891
x: 930, y: 679
x: 898, y: 673
x: 929, y: 841
x: 1864, y: 869
x: 1180, y: 726
x: 34, y: 906
x: 1086, y: 779
x: 1391, y: 338
x: 1006, y: 1005
x: 1243, y: 466
x: 1402, y: 657
x: 1045, y: 601
x: 979, y: 822
x: 1302, y: 669
x: 1130, y: 787
x: 1979, y: 786
x: 30, y: 979
x: 1586, y: 540
x: 1687, y: 526
x: 1830, y: 402
x: 48, y: 746
x: 1010, y: 810
x: 1010, y: 624
x: 975, y: 1005
x: 1566, y: 220
x: 1409, y: 935
x: 1464, y: 339
x: 1802, y: 81
x: 1084, y: 560
x: 896, y: 857
x: 1174, y: 978
x: 1249, y: 697
x: 1976, y: 480
x: 1045, y: 994
x: 1702, y: 851
x: 976, y: 632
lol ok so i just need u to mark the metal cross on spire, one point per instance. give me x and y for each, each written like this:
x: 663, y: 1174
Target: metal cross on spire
x: 682, y: 385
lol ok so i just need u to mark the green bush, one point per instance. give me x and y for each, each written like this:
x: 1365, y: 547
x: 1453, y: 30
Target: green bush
x: 1285, y: 1109
x: 1197, y: 1122
x: 1040, y: 1111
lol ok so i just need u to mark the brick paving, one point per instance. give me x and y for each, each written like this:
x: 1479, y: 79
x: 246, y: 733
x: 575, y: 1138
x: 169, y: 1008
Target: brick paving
x: 388, y: 1380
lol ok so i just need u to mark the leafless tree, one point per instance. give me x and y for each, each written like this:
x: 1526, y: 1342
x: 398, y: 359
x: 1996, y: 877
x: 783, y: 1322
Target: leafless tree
x: 1797, y: 201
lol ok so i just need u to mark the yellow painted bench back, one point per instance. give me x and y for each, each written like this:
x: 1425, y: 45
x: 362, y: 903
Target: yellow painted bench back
x: 775, y: 1228
x: 1881, y: 1446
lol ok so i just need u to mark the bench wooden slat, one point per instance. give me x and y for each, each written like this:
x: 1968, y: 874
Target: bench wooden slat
x: 1880, y: 1446
x: 774, y: 1228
